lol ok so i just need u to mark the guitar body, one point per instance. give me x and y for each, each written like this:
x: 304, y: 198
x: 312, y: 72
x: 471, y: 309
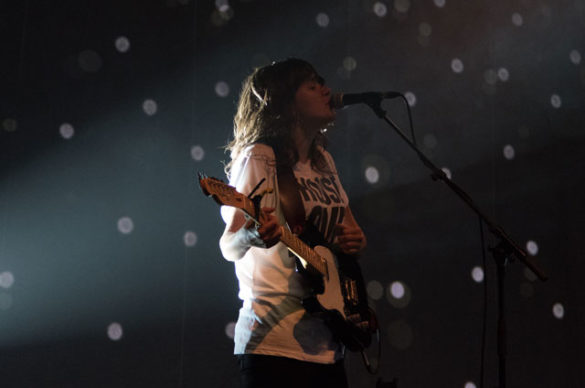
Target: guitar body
x: 340, y: 298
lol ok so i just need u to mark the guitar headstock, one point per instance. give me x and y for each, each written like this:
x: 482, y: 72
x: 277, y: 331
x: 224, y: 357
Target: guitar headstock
x: 224, y: 194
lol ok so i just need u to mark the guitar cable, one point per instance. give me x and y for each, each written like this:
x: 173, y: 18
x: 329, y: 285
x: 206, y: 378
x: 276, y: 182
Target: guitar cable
x: 374, y: 324
x: 373, y: 370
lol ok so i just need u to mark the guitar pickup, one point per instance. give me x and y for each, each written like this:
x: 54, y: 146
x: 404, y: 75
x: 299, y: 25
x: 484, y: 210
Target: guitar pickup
x: 351, y: 293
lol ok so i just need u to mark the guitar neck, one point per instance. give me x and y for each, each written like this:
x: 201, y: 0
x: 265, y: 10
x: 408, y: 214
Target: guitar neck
x: 303, y: 251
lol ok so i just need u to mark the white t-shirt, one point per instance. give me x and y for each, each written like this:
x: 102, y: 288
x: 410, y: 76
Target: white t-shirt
x: 272, y: 320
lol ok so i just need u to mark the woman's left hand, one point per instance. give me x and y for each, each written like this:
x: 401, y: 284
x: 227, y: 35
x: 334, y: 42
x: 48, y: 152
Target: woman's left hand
x: 350, y: 239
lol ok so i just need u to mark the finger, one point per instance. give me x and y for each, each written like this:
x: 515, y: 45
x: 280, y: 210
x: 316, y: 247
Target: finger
x: 250, y: 224
x: 351, y: 237
x: 351, y: 245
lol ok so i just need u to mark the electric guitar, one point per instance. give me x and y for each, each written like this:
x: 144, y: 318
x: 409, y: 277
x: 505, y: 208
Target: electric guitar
x: 339, y: 296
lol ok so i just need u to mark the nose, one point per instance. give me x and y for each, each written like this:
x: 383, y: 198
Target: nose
x: 325, y: 90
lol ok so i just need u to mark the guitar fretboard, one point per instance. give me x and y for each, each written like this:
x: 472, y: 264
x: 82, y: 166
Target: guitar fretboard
x: 303, y: 251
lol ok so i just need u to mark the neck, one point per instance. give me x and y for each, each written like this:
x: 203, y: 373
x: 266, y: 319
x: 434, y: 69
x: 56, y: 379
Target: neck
x: 303, y: 139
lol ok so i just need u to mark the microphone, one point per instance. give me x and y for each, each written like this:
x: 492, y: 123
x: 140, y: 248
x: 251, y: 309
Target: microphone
x: 339, y: 100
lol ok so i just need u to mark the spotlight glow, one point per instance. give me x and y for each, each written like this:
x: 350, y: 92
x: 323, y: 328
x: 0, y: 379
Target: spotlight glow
x: 122, y: 44
x: 322, y: 20
x: 477, y: 274
x: 230, y: 330
x: 9, y: 125
x: 469, y: 384
x: 115, y: 331
x: 222, y: 89
x: 439, y: 3
x: 457, y: 65
x: 375, y: 289
x: 197, y: 153
x: 411, y: 98
x: 517, y: 19
x: 397, y: 290
x: 402, y: 6
x: 150, y: 107
x: 6, y: 279
x: 503, y: 74
x: 125, y: 225
x: 66, y: 130
x: 372, y: 175
x: 380, y: 9
x: 509, y: 152
x: 349, y: 63
x: 190, y: 239
x: 558, y: 311
x: 555, y: 101
x: 89, y: 61
x: 575, y: 57
x: 425, y: 29
x: 222, y: 5
x: 490, y: 76
x: 532, y: 248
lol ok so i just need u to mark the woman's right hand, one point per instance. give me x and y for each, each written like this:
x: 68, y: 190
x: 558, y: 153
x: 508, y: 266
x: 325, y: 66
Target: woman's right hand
x: 268, y: 233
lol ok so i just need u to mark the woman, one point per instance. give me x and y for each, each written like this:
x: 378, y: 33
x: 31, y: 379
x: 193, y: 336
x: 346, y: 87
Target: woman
x: 282, y: 111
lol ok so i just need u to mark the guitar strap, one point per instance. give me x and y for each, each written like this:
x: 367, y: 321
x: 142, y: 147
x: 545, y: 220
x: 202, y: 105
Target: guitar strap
x: 290, y: 199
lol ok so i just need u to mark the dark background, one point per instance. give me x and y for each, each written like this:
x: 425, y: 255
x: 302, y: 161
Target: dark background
x: 67, y: 272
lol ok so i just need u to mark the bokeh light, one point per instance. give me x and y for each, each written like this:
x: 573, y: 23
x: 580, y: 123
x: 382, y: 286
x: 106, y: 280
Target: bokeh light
x: 402, y: 6
x: 509, y: 152
x: 9, y: 125
x: 517, y: 19
x: 457, y: 65
x: 197, y: 153
x: 477, y: 274
x: 115, y: 331
x: 190, y: 239
x: 439, y: 3
x: 575, y: 57
x: 6, y: 279
x: 380, y: 9
x: 230, y: 330
x: 150, y: 107
x: 125, y: 225
x: 372, y: 175
x: 555, y: 101
x: 322, y: 20
x: 89, y: 61
x: 222, y: 89
x: 67, y: 131
x: 122, y: 44
x: 375, y: 289
x: 532, y: 247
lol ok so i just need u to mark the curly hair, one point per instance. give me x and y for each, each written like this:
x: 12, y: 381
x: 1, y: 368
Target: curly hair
x: 266, y: 112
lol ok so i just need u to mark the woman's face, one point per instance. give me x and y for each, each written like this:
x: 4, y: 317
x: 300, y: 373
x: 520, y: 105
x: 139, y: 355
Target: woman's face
x: 312, y: 104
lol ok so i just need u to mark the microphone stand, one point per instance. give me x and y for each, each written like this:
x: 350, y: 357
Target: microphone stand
x: 503, y: 252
